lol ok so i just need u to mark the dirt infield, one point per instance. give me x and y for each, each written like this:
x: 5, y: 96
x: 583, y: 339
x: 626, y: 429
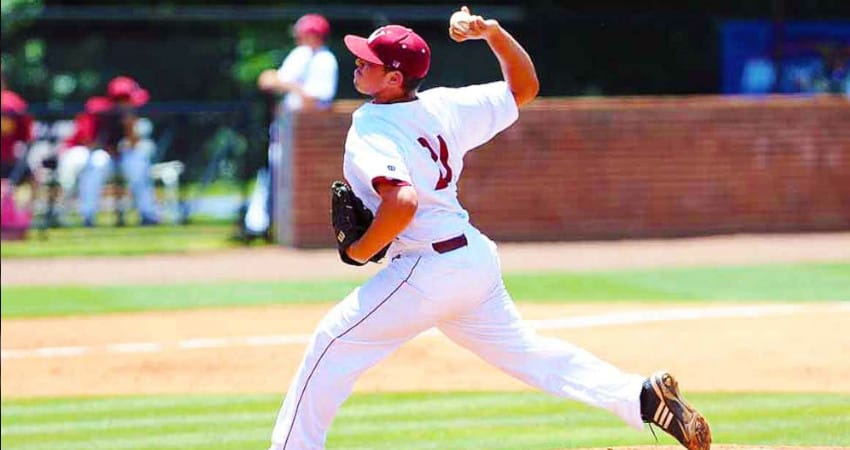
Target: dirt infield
x: 274, y: 263
x: 781, y: 348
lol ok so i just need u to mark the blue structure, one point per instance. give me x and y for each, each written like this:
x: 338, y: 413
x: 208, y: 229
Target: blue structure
x: 792, y: 57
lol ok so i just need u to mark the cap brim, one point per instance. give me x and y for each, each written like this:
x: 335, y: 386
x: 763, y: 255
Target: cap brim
x: 96, y: 105
x: 139, y: 97
x: 359, y: 46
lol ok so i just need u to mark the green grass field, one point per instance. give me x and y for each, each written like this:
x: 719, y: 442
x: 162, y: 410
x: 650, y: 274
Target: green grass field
x: 115, y: 241
x: 446, y: 420
x: 486, y: 421
x: 800, y: 282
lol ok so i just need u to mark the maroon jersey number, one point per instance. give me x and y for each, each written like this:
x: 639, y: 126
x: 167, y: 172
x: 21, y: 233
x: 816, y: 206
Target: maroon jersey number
x: 442, y: 158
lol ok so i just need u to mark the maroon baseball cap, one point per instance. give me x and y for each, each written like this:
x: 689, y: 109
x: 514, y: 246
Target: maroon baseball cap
x: 12, y: 103
x: 393, y: 46
x: 127, y: 88
x: 312, y: 23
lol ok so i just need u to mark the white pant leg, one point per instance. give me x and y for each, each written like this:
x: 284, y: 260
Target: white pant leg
x: 70, y: 164
x: 135, y: 166
x: 494, y: 330
x: 97, y: 169
x: 363, y: 329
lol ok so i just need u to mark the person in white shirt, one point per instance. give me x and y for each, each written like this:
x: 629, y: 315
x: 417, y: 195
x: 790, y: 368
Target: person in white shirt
x: 307, y: 78
x: 308, y: 75
x: 403, y: 157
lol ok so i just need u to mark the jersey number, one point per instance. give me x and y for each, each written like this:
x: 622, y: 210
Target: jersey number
x: 442, y: 159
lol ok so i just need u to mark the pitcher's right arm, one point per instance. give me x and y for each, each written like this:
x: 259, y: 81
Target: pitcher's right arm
x: 517, y: 67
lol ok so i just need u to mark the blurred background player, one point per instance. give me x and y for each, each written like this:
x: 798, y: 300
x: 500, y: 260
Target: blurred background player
x: 116, y: 143
x: 73, y: 155
x: 308, y: 79
x: 14, y: 169
x: 17, y: 133
x: 308, y: 75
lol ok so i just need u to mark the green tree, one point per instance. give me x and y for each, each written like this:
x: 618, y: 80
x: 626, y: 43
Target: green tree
x: 17, y: 14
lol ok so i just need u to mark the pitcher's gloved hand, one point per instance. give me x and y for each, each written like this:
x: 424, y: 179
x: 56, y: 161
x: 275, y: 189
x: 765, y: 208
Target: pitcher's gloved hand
x: 350, y: 220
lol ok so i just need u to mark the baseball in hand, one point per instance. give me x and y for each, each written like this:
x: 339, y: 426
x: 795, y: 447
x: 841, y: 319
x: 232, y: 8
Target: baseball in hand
x: 463, y: 25
x: 459, y: 22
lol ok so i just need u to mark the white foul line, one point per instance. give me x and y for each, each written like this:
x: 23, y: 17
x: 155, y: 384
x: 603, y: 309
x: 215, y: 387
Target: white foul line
x: 588, y: 321
x: 631, y: 317
x: 135, y: 347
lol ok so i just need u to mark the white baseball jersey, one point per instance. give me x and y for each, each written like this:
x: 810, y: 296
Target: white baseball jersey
x: 457, y: 289
x: 423, y: 142
x: 315, y: 71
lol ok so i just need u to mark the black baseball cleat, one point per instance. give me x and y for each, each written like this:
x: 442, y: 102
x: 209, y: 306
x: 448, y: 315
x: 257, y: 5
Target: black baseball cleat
x: 662, y: 404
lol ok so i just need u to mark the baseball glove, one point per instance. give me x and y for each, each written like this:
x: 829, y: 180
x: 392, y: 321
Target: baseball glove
x: 350, y: 220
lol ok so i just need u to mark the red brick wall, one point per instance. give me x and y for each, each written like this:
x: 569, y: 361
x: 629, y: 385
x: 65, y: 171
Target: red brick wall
x: 627, y: 167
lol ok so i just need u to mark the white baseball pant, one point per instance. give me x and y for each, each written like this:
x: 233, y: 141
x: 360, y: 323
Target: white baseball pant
x: 460, y: 292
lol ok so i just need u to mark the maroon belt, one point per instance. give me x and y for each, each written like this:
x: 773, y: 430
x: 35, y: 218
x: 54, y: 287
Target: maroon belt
x: 450, y: 244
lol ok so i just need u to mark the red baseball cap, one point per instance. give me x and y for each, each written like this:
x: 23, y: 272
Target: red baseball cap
x: 127, y: 88
x: 393, y: 46
x: 312, y: 23
x: 95, y: 105
x: 12, y: 103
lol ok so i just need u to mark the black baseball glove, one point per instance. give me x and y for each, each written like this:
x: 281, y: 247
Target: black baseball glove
x: 350, y: 220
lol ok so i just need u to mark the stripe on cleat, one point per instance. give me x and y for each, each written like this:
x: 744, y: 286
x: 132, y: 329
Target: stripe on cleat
x: 660, y: 412
x: 669, y: 418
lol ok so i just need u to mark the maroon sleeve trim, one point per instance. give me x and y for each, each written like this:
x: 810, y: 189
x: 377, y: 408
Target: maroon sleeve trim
x: 386, y: 180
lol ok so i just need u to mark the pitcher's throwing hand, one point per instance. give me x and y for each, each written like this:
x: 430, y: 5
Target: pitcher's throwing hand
x: 463, y: 25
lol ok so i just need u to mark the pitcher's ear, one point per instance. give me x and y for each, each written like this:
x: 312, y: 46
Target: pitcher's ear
x: 396, y: 78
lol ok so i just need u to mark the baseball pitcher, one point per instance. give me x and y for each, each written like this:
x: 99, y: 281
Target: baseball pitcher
x: 403, y: 158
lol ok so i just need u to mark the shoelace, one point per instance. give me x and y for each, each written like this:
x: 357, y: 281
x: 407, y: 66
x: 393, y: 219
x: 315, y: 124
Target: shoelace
x: 652, y: 430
